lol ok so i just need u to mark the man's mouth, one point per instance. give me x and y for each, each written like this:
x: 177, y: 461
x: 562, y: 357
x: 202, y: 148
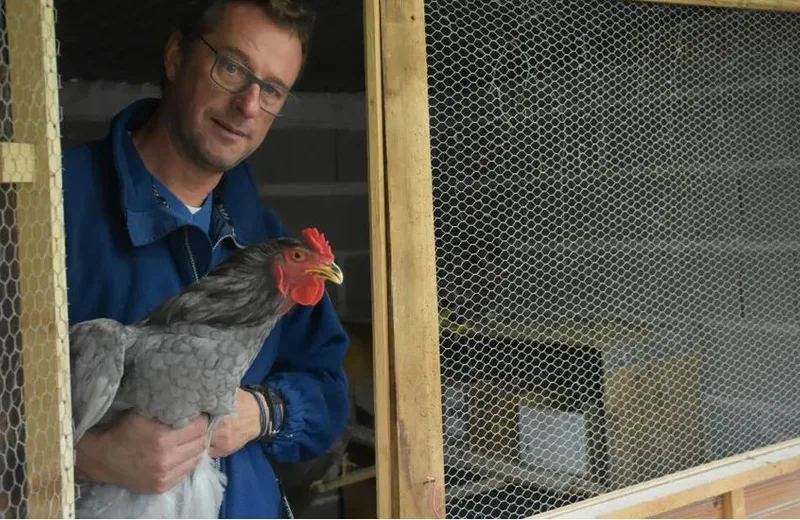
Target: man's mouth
x: 228, y: 128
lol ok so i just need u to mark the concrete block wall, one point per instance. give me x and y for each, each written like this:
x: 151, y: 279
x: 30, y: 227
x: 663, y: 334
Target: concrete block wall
x: 312, y: 169
x: 317, y: 177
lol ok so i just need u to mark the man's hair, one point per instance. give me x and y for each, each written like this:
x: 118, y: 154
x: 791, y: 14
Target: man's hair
x: 202, y: 16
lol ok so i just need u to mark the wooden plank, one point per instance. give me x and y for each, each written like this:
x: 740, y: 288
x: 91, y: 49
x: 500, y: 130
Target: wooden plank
x: 35, y: 108
x: 475, y: 488
x: 413, y: 322
x: 17, y: 162
x: 709, y: 508
x: 767, y: 5
x: 353, y: 477
x: 733, y: 504
x: 766, y: 495
x: 790, y: 510
x: 687, y: 487
x: 474, y: 461
x: 385, y: 445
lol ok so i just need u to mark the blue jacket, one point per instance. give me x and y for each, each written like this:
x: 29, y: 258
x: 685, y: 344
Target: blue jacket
x: 130, y: 244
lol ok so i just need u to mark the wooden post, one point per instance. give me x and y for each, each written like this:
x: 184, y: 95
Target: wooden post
x: 385, y: 447
x: 17, y: 162
x: 733, y: 505
x: 410, y: 463
x: 45, y: 351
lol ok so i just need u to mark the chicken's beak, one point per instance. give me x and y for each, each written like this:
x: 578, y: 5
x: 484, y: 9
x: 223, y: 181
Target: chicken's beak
x: 329, y: 272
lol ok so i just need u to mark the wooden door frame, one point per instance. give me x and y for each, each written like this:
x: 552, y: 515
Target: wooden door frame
x: 408, y: 412
x: 32, y: 163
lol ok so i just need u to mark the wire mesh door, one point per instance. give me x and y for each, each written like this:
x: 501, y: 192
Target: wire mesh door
x: 35, y: 422
x: 616, y: 190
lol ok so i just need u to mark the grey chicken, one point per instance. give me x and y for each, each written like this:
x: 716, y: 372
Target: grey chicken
x: 187, y: 358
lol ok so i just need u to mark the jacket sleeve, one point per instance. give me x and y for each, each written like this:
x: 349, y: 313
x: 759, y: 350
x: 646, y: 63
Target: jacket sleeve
x: 309, y: 375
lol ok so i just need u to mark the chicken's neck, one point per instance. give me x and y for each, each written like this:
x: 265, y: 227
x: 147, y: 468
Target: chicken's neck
x: 231, y: 298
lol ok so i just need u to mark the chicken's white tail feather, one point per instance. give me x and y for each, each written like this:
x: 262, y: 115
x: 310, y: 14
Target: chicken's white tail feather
x: 203, y: 497
x: 199, y: 495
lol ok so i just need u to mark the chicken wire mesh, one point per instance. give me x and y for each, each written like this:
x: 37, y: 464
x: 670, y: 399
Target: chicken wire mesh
x: 616, y: 188
x: 35, y: 441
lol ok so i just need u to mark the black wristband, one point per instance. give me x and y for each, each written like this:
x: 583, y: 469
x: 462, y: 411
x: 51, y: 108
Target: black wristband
x: 279, y: 410
x: 275, y: 406
x: 265, y: 421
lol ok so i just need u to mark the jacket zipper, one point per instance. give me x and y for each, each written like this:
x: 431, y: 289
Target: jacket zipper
x: 216, y: 461
x: 189, y: 252
x: 232, y: 236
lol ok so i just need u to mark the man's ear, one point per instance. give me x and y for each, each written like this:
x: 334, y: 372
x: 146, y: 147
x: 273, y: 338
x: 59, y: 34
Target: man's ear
x: 173, y: 55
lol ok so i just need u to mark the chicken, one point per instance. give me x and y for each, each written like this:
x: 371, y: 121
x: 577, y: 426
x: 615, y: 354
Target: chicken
x: 186, y: 358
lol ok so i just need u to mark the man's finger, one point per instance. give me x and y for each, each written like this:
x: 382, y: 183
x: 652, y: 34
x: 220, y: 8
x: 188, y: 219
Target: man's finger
x: 186, y: 451
x: 181, y: 470
x: 192, y: 431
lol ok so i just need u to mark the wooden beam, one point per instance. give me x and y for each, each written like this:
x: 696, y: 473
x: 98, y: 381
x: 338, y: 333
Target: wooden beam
x: 45, y: 355
x: 385, y: 446
x: 474, y: 462
x: 17, y: 163
x: 764, y: 5
x: 653, y: 498
x: 733, y: 504
x: 352, y: 477
x: 411, y: 462
x: 708, y: 508
x: 765, y: 497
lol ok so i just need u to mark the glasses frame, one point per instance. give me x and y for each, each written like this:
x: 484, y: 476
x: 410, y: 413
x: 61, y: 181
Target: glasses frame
x: 252, y: 79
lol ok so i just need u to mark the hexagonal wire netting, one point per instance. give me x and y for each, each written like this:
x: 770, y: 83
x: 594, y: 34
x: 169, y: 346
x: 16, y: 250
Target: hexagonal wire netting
x: 616, y: 191
x: 35, y: 451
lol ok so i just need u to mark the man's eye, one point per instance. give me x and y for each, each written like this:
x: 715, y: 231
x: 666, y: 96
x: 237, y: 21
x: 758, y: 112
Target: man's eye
x: 271, y: 91
x: 231, y: 68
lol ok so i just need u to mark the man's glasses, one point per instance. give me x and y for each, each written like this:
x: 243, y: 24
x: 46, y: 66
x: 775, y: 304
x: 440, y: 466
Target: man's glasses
x: 236, y: 78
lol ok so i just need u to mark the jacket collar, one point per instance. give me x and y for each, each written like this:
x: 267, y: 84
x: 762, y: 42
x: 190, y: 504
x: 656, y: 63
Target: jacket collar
x: 147, y: 218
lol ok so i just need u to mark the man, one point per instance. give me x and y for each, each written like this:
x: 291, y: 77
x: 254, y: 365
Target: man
x: 164, y: 198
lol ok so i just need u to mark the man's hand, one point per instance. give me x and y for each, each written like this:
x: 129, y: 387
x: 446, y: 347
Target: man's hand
x: 238, y: 429
x: 142, y: 455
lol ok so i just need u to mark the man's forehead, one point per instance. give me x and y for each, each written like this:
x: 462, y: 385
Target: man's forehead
x: 234, y: 51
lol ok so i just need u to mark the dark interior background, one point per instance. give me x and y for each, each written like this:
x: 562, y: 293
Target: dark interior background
x: 312, y: 169
x: 122, y: 40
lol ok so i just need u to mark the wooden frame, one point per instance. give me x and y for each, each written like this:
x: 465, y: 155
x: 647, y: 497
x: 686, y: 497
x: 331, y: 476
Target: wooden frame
x: 33, y: 161
x: 410, y: 463
x: 768, y: 5
x: 409, y: 455
x: 17, y: 163
x: 729, y: 481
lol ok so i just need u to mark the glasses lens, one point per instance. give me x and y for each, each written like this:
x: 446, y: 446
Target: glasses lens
x: 285, y: 103
x: 233, y: 77
x: 273, y: 97
x: 229, y: 74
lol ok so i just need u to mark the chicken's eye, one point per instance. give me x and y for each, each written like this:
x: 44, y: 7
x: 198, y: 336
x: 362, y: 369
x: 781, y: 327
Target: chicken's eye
x: 298, y: 256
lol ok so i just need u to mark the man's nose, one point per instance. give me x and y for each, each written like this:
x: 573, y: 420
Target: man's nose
x: 248, y: 101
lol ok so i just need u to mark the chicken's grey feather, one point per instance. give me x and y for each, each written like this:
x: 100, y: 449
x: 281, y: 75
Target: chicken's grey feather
x: 97, y: 354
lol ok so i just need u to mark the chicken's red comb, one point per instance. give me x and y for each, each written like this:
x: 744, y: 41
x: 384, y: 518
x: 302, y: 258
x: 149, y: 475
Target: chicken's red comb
x: 318, y: 241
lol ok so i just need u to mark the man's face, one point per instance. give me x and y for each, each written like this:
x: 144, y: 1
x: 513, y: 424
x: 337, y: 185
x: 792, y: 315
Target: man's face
x: 219, y: 129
